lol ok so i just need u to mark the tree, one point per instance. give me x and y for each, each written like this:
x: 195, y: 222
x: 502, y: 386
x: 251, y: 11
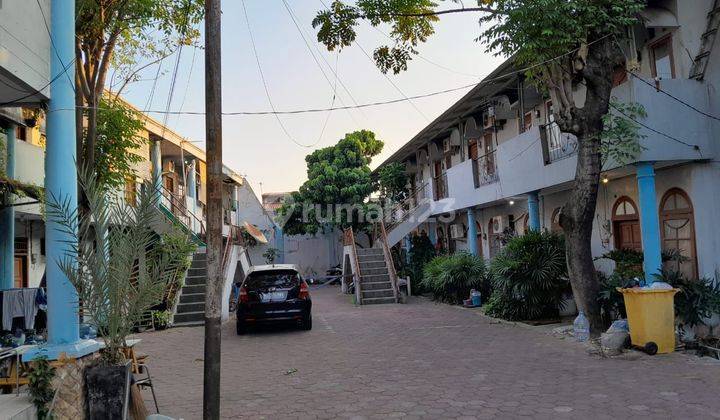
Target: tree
x: 121, y: 35
x: 338, y: 186
x: 393, y: 182
x: 118, y: 140
x: 572, y: 46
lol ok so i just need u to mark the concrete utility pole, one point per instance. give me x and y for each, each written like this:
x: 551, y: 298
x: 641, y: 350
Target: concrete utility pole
x: 213, y: 133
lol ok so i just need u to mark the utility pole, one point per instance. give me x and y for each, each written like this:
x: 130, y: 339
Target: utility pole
x: 213, y: 134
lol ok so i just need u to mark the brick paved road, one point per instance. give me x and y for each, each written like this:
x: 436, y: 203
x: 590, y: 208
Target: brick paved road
x: 422, y: 360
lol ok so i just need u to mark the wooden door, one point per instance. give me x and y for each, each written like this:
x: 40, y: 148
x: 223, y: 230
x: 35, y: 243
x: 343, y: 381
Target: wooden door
x: 169, y: 184
x: 473, y: 149
x: 20, y: 272
x: 628, y: 235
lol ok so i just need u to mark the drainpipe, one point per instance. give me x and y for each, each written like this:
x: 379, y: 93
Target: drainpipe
x: 649, y: 220
x: 191, y: 188
x: 7, y: 219
x: 156, y: 160
x: 61, y: 182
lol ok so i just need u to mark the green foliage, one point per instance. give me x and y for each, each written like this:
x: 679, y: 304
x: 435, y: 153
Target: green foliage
x: 176, y: 247
x: 529, y: 277
x: 697, y: 298
x: 451, y: 277
x: 118, y: 143
x: 393, y: 182
x: 270, y: 255
x: 339, y: 182
x: 117, y: 275
x: 620, y: 139
x: 40, y: 386
x: 161, y: 318
x: 628, y: 262
x: 421, y: 252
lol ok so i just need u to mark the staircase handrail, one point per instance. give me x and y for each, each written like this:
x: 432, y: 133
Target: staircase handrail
x: 389, y: 260
x: 175, y: 201
x: 412, y: 205
x: 351, y: 239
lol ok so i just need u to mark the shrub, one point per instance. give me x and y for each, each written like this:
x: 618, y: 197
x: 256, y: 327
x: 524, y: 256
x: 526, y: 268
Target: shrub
x: 40, y: 386
x: 697, y: 298
x: 421, y: 252
x: 451, y: 277
x: 529, y: 277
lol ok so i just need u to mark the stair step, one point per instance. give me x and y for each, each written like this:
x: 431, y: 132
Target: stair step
x: 380, y: 293
x: 379, y: 300
x: 195, y: 281
x: 371, y: 258
x: 193, y: 289
x: 190, y: 307
x: 373, y: 264
x: 190, y: 317
x: 377, y: 285
x: 197, y: 271
x: 190, y: 298
x: 370, y: 251
x: 373, y: 271
x: 189, y: 324
x: 370, y: 278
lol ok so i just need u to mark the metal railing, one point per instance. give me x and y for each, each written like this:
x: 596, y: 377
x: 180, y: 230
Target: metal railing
x: 401, y: 211
x: 382, y: 237
x: 349, y: 240
x: 441, y: 187
x: 556, y: 145
x: 177, y: 207
x: 485, y: 170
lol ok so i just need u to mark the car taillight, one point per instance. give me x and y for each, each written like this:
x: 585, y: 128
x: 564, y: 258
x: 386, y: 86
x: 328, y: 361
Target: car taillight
x: 304, y: 291
x: 244, y: 295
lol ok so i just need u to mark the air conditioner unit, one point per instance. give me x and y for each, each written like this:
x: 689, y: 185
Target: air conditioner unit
x: 457, y: 231
x: 497, y: 225
x: 446, y: 146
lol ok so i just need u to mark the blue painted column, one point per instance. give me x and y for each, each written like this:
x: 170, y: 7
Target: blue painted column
x: 533, y: 211
x: 649, y: 220
x: 61, y: 183
x: 7, y: 219
x: 156, y: 161
x: 472, y: 233
x: 191, y: 189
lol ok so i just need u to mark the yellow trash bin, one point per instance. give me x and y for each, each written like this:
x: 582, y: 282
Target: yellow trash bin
x: 651, y: 317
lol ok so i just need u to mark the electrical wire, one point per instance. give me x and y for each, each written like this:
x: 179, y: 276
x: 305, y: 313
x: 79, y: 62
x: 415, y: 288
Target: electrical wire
x: 52, y: 43
x: 264, y: 82
x: 187, y: 84
x: 17, y: 101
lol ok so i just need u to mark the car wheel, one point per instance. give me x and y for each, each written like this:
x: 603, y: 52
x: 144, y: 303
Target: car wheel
x: 307, y: 323
x: 240, y: 328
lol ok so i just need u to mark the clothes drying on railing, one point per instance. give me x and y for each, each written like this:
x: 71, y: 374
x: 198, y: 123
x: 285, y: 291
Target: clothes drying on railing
x: 21, y: 303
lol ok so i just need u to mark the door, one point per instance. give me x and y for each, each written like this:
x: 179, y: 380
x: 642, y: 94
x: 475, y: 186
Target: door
x: 473, y: 149
x: 628, y: 235
x: 20, y: 272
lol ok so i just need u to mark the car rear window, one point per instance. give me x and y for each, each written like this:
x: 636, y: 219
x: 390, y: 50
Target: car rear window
x: 279, y: 278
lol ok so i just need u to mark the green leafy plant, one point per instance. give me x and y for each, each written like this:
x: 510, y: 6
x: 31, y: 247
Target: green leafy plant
x: 110, y: 261
x: 177, y: 247
x: 697, y: 298
x: 40, y: 385
x: 529, y: 277
x: 620, y: 138
x: 451, y: 277
x: 393, y: 182
x: 270, y: 255
x: 161, y: 319
x: 421, y: 252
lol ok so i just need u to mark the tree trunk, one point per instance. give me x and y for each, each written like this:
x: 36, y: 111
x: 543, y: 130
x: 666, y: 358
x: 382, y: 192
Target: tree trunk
x: 577, y: 222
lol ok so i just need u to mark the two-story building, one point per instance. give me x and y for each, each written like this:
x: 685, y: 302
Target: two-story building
x: 495, y: 160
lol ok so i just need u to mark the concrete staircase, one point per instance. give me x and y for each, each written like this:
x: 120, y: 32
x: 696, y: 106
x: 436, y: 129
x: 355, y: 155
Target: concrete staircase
x: 375, y: 284
x: 191, y: 308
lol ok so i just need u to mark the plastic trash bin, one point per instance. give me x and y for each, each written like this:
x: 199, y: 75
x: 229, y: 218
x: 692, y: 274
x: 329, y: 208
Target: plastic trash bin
x: 651, y: 317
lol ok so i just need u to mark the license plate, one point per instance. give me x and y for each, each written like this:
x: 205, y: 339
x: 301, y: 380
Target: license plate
x: 273, y: 297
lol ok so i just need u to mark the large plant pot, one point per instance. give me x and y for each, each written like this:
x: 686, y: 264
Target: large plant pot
x: 107, y: 391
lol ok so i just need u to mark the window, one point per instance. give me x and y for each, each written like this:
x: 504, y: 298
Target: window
x: 678, y: 231
x: 662, y: 58
x: 626, y: 225
x: 555, y: 221
x: 527, y: 121
x: 21, y: 132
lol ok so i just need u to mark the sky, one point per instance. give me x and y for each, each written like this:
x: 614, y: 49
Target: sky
x: 273, y: 158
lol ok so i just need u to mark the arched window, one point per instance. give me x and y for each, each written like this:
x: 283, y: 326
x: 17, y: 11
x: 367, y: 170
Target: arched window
x: 555, y: 221
x: 678, y: 231
x: 626, y: 224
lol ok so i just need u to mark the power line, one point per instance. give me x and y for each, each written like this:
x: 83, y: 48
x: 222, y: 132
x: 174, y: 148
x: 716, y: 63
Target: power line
x: 187, y: 85
x: 37, y: 91
x: 264, y: 82
x: 52, y: 42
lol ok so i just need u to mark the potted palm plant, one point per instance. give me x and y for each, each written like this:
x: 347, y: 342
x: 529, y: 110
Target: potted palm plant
x: 118, y: 274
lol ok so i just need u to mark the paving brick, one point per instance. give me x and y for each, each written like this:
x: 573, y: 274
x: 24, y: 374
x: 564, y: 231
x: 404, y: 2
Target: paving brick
x: 421, y: 360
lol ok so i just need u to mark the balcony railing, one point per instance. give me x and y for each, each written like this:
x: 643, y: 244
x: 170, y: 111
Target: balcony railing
x: 485, y: 169
x: 556, y: 145
x: 441, y: 187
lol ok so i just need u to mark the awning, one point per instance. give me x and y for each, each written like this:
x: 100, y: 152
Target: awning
x: 657, y: 17
x: 255, y: 232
